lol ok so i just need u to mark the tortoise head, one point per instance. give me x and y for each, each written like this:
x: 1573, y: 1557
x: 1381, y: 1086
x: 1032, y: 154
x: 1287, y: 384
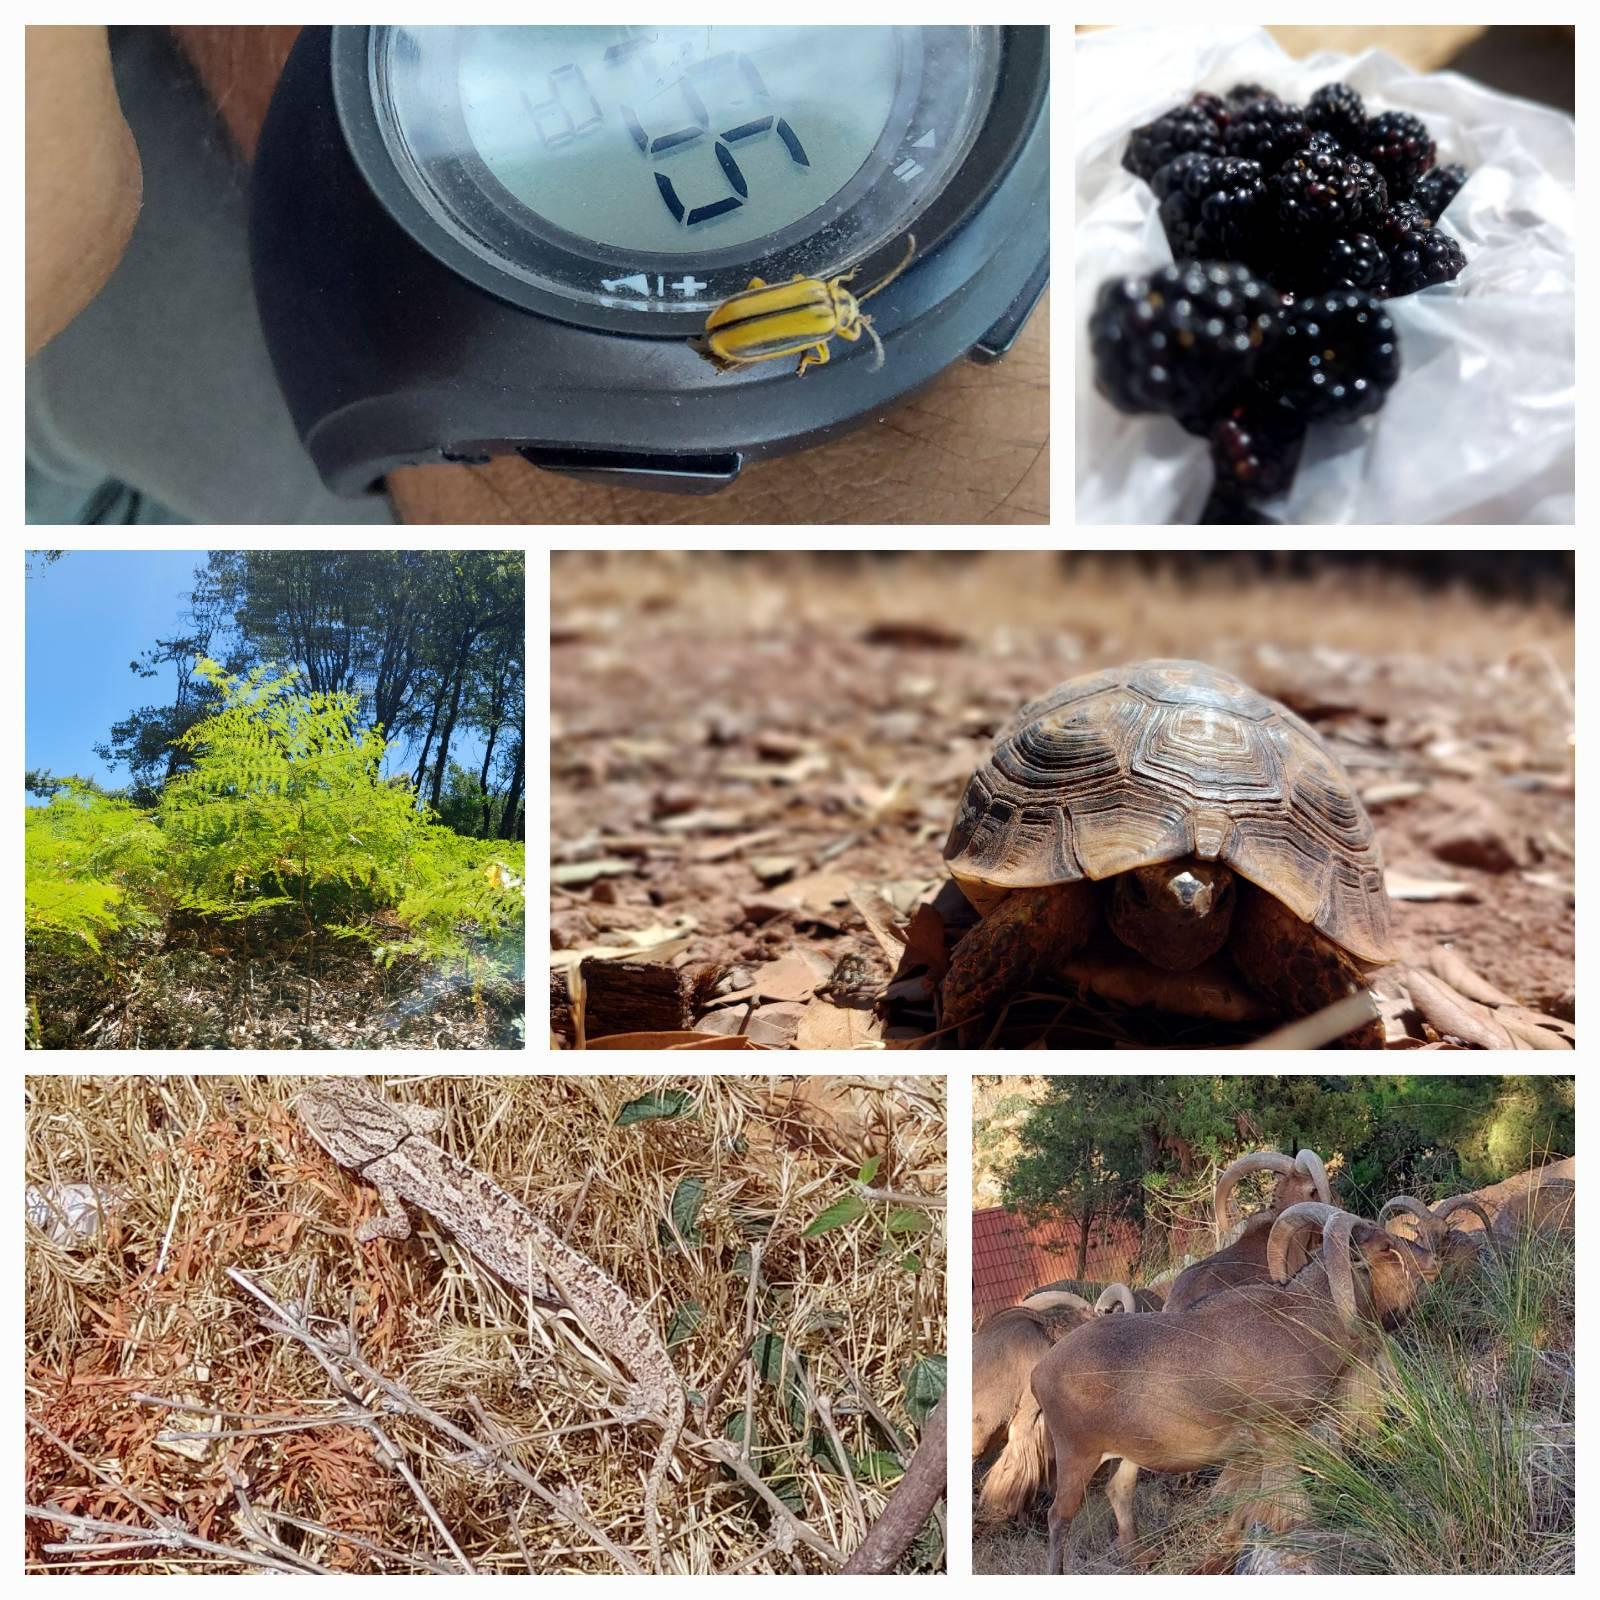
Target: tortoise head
x: 1174, y: 914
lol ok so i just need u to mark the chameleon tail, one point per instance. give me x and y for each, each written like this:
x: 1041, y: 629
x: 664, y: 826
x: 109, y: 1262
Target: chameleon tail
x: 671, y: 1432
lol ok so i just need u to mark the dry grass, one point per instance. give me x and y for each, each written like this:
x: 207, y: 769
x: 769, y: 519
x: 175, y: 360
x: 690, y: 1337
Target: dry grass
x: 1112, y: 607
x: 209, y: 1174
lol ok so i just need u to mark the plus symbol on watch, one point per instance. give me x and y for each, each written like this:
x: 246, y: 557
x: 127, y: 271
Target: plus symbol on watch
x: 689, y: 285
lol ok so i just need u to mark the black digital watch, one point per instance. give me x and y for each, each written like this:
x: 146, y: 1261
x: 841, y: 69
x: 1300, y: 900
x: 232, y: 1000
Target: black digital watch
x: 480, y: 240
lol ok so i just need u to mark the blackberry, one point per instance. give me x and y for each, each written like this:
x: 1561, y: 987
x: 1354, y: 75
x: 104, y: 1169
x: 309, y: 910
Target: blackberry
x: 1314, y: 192
x: 1335, y: 357
x: 1336, y: 109
x: 1209, y: 205
x: 1255, y: 451
x: 1420, y: 255
x: 1170, y: 177
x: 1155, y: 144
x: 1213, y: 108
x: 1400, y: 147
x: 1434, y: 190
x: 1178, y: 341
x: 1319, y: 143
x: 1402, y: 218
x: 1267, y: 131
x: 1241, y: 94
x: 1358, y: 262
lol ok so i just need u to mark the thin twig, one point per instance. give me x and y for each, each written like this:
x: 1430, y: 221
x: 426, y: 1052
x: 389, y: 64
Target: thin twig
x: 713, y: 1395
x: 181, y: 1537
x: 206, y: 1409
x: 730, y: 1458
x: 170, y: 1526
x: 252, y: 1524
x: 171, y: 1435
x: 576, y: 1209
x: 355, y: 1539
x: 864, y: 1395
x: 899, y: 1197
x: 408, y: 1402
x: 825, y: 1411
x: 1324, y: 1026
x: 292, y: 1324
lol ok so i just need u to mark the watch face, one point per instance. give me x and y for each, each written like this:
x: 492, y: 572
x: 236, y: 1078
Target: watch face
x: 688, y: 149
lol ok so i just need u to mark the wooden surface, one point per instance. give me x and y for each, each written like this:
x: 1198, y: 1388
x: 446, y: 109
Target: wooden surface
x: 1425, y: 48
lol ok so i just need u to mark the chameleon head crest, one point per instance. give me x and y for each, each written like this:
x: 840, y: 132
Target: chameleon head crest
x: 350, y: 1122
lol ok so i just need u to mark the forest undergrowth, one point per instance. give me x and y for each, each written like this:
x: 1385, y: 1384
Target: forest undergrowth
x: 279, y: 893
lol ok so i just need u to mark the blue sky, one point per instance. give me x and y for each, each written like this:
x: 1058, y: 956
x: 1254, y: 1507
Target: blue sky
x: 88, y: 615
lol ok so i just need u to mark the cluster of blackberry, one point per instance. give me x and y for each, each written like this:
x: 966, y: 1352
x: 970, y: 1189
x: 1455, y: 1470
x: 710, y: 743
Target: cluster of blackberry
x: 1288, y: 224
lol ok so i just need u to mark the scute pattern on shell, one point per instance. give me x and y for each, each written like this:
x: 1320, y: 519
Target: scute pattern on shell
x: 1161, y: 759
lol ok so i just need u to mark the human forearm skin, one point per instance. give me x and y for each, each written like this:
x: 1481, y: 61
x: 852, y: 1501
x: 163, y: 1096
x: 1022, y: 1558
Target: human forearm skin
x: 83, y: 175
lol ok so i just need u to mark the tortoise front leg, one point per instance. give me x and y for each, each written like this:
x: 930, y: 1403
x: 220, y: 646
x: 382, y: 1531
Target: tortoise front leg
x: 1028, y: 934
x: 1298, y: 969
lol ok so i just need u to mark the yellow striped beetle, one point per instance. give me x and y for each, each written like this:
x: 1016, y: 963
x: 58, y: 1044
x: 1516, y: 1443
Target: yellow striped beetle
x: 769, y: 321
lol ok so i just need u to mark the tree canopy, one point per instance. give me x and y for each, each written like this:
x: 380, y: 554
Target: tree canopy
x: 1107, y: 1147
x: 430, y: 643
x: 283, y: 811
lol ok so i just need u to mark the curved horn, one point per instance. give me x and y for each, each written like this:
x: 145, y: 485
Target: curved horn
x: 1463, y: 1202
x: 1310, y: 1163
x: 1336, y: 1243
x: 1287, y: 1227
x: 1056, y: 1300
x: 1257, y: 1161
x: 1431, y: 1224
x: 1113, y: 1297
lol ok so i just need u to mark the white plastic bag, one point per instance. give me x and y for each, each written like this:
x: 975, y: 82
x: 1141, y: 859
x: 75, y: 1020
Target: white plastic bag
x: 1480, y: 426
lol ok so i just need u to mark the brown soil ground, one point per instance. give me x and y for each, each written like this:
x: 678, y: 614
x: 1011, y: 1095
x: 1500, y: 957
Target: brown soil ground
x: 746, y: 751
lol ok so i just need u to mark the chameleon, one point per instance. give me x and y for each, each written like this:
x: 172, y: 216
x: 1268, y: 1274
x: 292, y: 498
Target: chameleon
x: 389, y: 1145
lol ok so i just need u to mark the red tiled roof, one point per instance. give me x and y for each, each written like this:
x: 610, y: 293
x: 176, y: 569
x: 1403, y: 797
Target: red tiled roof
x: 1011, y: 1257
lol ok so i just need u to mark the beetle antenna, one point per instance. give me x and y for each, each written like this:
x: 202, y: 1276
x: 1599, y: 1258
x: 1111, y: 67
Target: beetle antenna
x: 877, y: 343
x: 883, y: 283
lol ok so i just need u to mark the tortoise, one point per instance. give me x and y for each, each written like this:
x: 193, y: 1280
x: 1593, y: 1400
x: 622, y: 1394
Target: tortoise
x: 1163, y: 813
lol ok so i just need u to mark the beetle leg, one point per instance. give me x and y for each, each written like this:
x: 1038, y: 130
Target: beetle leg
x: 816, y: 356
x: 756, y: 283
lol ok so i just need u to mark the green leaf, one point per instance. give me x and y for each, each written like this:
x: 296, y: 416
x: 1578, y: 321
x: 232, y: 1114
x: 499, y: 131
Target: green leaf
x: 909, y: 1222
x: 878, y: 1466
x: 787, y: 1488
x: 766, y: 1352
x: 685, y: 1320
x: 927, y: 1550
x: 837, y: 1215
x: 687, y: 1199
x: 925, y: 1382
x: 870, y: 1170
x: 657, y: 1107
x: 912, y: 1263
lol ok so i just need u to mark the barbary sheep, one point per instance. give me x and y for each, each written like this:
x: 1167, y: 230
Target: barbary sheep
x: 1214, y: 1384
x: 1245, y: 1260
x: 1458, y: 1250
x: 1005, y: 1351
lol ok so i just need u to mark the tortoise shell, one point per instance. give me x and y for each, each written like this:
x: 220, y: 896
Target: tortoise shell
x: 1161, y: 759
